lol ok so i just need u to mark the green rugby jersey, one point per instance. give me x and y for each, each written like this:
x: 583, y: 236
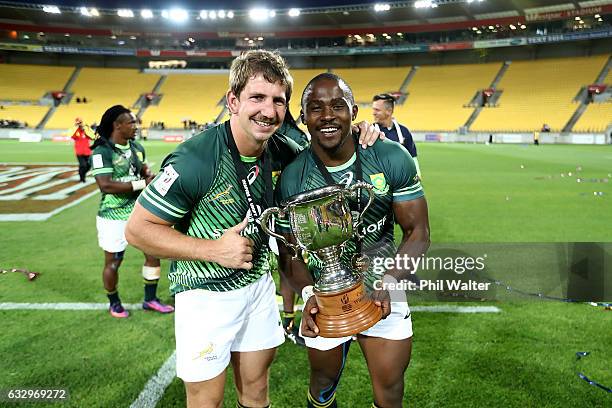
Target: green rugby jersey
x: 386, y: 165
x: 119, y: 163
x: 200, y: 193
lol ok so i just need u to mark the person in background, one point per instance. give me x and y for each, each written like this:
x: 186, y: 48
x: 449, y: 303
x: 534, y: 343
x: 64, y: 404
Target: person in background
x: 382, y: 109
x: 121, y: 171
x: 82, y: 134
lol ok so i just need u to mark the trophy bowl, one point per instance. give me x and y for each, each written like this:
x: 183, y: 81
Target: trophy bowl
x: 321, y: 223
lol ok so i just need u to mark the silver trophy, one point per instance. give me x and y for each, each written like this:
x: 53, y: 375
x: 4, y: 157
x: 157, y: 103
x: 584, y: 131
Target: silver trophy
x: 321, y: 223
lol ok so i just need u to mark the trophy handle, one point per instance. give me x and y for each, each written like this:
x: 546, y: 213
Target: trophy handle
x: 352, y: 191
x: 263, y: 220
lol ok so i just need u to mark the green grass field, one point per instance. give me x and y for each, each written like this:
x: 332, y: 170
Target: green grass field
x: 522, y: 356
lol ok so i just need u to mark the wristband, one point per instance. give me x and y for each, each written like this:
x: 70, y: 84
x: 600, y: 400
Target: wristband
x: 139, y: 185
x: 307, y: 292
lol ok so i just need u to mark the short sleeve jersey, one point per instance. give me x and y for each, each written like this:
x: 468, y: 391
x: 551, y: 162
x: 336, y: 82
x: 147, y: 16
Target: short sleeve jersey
x: 118, y: 162
x: 388, y: 167
x: 199, y: 192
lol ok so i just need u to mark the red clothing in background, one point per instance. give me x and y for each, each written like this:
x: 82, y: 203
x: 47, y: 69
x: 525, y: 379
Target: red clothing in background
x: 81, y: 142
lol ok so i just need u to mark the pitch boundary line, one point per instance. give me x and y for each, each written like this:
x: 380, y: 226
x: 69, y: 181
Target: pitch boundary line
x: 154, y: 389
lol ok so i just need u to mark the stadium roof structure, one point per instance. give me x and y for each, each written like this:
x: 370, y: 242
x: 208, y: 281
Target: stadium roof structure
x: 204, y: 16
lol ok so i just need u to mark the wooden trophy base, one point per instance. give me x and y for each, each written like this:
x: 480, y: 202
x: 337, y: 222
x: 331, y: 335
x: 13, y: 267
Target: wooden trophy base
x: 346, y: 313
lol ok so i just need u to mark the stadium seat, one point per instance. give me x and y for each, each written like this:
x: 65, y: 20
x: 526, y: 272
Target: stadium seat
x: 437, y: 94
x: 537, y: 92
x: 30, y: 83
x: 103, y: 88
x: 188, y: 97
x: 367, y: 82
x: 598, y: 116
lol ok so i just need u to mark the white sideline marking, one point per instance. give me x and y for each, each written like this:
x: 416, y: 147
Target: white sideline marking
x: 154, y: 389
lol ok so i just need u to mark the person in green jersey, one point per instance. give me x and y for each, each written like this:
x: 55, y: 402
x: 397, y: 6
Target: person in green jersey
x: 201, y: 211
x: 119, y: 166
x: 335, y: 157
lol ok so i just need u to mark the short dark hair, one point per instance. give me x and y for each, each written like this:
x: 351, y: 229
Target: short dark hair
x: 348, y: 92
x: 388, y: 98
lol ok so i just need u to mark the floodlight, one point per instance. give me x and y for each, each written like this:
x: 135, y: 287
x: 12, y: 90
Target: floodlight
x: 178, y: 14
x: 127, y: 13
x: 294, y: 12
x: 146, y: 14
x: 261, y: 14
x: 51, y: 9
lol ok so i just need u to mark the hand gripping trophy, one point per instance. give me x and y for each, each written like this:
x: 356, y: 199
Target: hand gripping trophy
x: 321, y: 223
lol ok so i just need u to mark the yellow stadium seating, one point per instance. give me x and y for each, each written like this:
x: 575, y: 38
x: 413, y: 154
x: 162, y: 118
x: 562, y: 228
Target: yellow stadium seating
x: 598, y: 116
x: 103, y: 88
x: 188, y: 97
x: 31, y: 82
x: 301, y: 77
x: 534, y: 93
x: 32, y: 115
x: 538, y: 92
x: 436, y: 95
x: 367, y: 82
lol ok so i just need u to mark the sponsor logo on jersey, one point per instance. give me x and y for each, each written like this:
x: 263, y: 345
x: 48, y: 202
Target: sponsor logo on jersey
x: 165, y: 181
x: 375, y: 227
x: 380, y: 183
x: 97, y: 161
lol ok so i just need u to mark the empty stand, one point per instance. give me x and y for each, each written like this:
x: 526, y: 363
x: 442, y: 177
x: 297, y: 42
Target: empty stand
x: 31, y: 115
x: 367, y: 82
x: 538, y: 92
x: 437, y: 94
x: 29, y: 83
x: 598, y: 116
x: 103, y: 88
x: 188, y: 97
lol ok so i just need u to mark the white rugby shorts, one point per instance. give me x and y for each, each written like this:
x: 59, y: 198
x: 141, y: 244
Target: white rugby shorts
x: 210, y: 325
x: 397, y: 326
x: 111, y: 234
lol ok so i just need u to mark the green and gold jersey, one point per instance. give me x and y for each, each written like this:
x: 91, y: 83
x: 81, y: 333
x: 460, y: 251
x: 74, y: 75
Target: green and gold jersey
x: 199, y: 192
x: 388, y: 167
x: 118, y: 162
